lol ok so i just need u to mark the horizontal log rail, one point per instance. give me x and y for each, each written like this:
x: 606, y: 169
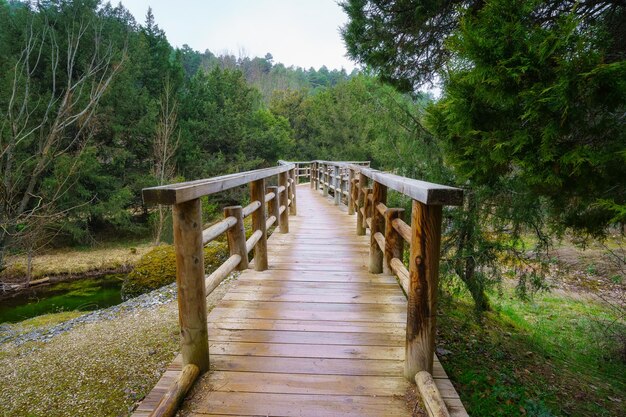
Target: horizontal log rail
x: 171, y: 399
x: 269, y: 206
x: 431, y: 397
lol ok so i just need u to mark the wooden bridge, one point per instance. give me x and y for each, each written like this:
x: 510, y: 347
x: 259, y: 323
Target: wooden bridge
x: 317, y: 324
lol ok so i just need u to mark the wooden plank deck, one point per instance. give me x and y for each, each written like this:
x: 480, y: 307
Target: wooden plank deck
x: 315, y: 335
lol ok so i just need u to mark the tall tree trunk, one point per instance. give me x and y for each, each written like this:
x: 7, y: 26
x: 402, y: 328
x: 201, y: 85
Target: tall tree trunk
x: 164, y: 150
x: 465, y: 266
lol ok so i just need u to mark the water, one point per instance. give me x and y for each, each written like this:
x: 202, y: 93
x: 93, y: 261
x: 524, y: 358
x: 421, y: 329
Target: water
x: 82, y: 294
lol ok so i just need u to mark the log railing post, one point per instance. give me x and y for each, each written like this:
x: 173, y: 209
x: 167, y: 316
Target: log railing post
x: 237, y: 236
x: 366, y: 207
x: 350, y: 192
x: 379, y: 194
x: 423, y: 281
x: 394, y: 243
x: 337, y: 175
x: 293, y: 210
x: 273, y: 205
x: 283, y: 197
x: 327, y: 181
x: 257, y: 193
x: 192, y: 314
x: 316, y: 168
x: 360, y: 218
x: 311, y: 171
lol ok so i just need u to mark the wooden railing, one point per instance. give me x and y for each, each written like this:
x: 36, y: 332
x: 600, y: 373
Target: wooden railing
x: 269, y: 206
x: 302, y: 170
x: 364, y: 191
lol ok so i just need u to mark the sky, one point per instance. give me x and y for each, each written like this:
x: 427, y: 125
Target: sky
x: 302, y: 33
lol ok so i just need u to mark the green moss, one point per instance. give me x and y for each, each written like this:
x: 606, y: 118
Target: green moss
x: 158, y: 268
x: 49, y: 319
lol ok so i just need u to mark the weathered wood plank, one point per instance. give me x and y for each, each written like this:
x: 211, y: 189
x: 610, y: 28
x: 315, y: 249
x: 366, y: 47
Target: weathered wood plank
x: 261, y: 404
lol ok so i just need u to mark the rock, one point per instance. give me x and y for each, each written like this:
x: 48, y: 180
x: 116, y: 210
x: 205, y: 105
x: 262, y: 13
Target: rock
x: 442, y: 351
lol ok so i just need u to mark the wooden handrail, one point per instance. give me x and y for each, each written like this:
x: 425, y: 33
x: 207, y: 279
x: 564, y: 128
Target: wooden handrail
x: 433, y: 402
x: 185, y: 191
x: 422, y: 191
x: 211, y: 233
x: 176, y: 392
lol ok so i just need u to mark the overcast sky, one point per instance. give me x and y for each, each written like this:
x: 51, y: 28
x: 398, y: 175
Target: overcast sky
x: 302, y: 33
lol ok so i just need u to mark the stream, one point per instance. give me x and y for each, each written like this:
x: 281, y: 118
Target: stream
x: 84, y: 294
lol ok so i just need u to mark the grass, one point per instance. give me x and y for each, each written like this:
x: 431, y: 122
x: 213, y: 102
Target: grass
x: 548, y: 357
x: 99, y: 369
x: 79, y: 260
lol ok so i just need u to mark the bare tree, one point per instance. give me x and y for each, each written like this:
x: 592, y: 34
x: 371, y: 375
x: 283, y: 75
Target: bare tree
x: 38, y: 127
x: 164, y: 149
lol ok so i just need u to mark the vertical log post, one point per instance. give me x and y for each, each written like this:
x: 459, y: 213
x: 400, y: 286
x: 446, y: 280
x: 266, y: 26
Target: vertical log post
x: 422, y: 296
x: 273, y: 205
x: 237, y: 236
x: 293, y: 210
x: 320, y: 179
x: 327, y: 181
x: 394, y: 243
x: 360, y: 218
x: 351, y: 188
x: 310, y: 172
x: 192, y: 315
x: 282, y: 198
x: 366, y: 207
x: 379, y: 193
x: 337, y: 175
x: 257, y: 193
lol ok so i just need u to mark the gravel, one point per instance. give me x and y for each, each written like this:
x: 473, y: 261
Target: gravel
x: 99, y: 364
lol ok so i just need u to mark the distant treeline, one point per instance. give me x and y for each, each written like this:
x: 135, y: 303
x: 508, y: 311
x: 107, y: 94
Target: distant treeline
x: 263, y: 73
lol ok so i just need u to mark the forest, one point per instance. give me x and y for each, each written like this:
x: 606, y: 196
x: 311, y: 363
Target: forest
x: 527, y: 117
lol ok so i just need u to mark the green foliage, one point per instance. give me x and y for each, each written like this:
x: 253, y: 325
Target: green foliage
x: 337, y: 123
x: 529, y: 124
x: 534, y: 105
x: 262, y: 73
x: 90, y: 181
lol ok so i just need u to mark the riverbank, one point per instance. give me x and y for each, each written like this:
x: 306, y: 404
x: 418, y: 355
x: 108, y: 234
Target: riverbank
x: 98, y: 364
x: 70, y: 263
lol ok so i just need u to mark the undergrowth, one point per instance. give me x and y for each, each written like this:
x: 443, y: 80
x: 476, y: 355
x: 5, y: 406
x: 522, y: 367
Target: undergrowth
x: 545, y: 357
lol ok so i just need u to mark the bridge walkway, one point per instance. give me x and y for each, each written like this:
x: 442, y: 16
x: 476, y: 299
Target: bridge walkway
x: 315, y: 335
